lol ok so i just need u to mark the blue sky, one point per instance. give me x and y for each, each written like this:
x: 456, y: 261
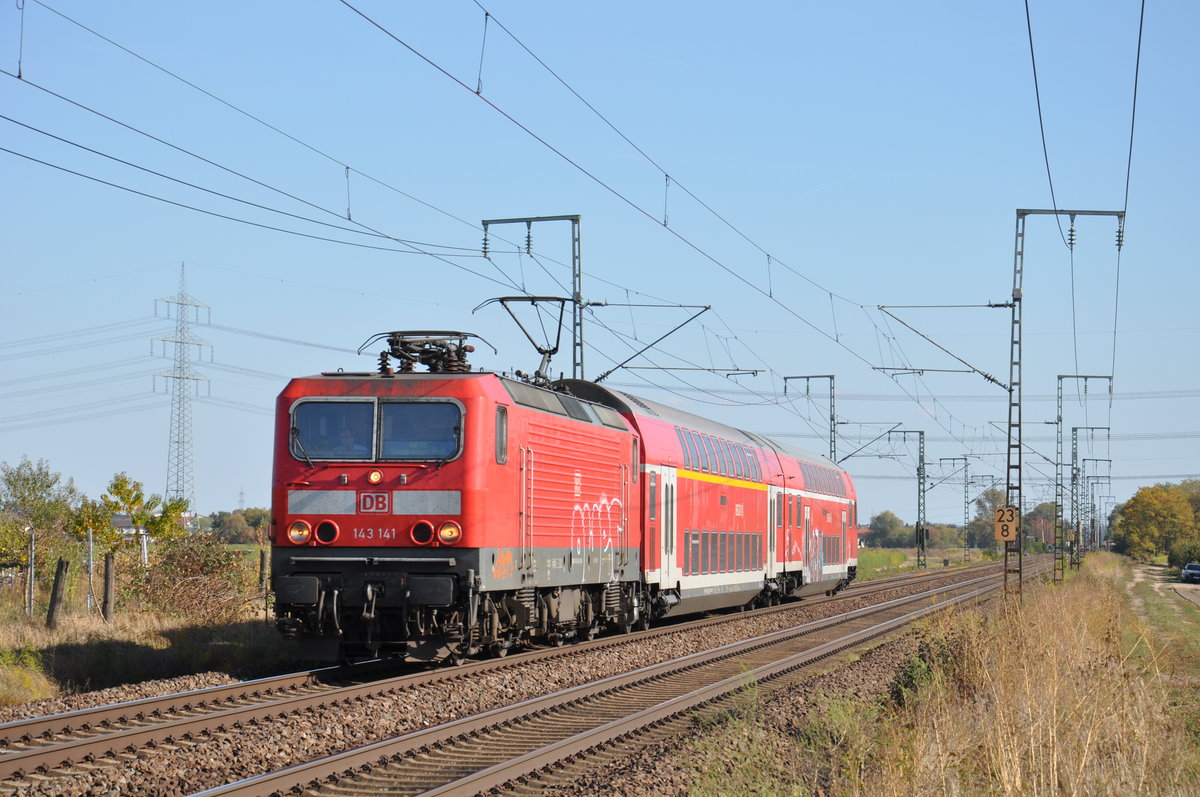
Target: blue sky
x: 824, y: 159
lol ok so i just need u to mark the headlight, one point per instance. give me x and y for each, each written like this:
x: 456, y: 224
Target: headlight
x: 327, y: 532
x: 375, y: 476
x: 449, y: 533
x: 421, y: 532
x: 299, y: 532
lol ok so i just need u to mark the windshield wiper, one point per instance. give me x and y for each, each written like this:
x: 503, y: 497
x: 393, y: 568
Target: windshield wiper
x: 296, y: 440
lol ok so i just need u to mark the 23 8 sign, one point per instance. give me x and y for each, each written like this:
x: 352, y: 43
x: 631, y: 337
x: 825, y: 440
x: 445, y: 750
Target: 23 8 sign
x: 1007, y: 523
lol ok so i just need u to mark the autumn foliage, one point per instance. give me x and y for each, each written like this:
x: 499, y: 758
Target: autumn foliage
x: 1163, y: 519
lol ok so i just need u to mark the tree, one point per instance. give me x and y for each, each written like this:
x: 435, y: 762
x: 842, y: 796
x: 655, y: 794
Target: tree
x: 35, y: 495
x: 887, y: 531
x: 1039, y: 523
x: 1153, y: 520
x: 161, y: 519
x: 1191, y: 488
x: 981, y: 531
x: 95, y: 517
x: 32, y: 496
x: 236, y: 530
x: 1184, y: 551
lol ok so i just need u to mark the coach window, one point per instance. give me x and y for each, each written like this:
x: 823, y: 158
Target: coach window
x: 726, y: 470
x: 501, y: 434
x: 699, y: 443
x: 712, y: 455
x: 703, y: 551
x: 332, y: 429
x: 693, y: 456
x: 735, y: 466
x: 745, y: 459
x: 687, y: 457
x: 421, y: 430
x: 652, y: 490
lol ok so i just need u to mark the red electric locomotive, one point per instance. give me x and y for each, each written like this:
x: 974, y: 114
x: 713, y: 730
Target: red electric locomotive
x: 452, y: 512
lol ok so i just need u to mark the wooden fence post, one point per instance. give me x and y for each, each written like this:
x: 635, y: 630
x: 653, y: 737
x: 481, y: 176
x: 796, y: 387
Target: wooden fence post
x: 109, y: 588
x: 262, y: 583
x: 56, y: 593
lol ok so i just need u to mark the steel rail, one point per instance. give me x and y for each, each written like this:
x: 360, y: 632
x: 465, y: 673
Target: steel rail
x: 102, y: 737
x: 378, y: 754
x: 29, y: 730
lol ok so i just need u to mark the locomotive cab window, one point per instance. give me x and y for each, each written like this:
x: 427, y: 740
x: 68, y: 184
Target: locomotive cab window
x: 420, y: 430
x: 332, y: 430
x: 501, y: 434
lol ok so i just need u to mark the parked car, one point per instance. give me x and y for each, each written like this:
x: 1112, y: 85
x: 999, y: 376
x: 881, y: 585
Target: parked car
x: 1190, y: 572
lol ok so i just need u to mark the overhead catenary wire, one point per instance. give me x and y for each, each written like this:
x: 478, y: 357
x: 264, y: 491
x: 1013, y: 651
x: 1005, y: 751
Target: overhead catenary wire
x: 1137, y: 68
x: 787, y: 308
x: 835, y: 336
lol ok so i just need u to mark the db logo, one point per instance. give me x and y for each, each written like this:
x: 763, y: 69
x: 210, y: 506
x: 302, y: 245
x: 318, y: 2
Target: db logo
x: 379, y: 503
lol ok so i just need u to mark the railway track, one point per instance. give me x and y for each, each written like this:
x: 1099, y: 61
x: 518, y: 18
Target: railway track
x: 531, y: 739
x: 46, y: 744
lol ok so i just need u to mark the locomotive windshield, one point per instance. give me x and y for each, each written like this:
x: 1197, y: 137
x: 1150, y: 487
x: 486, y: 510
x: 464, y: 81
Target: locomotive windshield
x: 364, y: 430
x: 333, y: 430
x: 420, y: 430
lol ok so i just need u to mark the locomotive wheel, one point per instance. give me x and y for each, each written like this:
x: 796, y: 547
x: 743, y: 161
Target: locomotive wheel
x: 497, y: 651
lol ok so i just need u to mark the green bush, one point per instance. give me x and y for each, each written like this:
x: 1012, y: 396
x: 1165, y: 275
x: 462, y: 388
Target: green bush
x: 1184, y: 551
x: 198, y: 578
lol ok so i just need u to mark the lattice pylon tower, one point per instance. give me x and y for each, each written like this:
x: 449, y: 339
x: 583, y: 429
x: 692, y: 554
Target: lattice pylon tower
x: 184, y: 381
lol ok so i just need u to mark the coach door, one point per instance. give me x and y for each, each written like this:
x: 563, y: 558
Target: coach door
x: 811, y: 574
x: 774, y: 524
x: 669, y: 578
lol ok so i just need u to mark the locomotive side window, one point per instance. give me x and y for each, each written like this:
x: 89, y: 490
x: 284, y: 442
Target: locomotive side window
x: 420, y: 430
x: 501, y: 434
x: 332, y: 430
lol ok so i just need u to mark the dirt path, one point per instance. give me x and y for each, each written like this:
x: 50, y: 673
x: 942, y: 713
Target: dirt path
x: 1166, y: 586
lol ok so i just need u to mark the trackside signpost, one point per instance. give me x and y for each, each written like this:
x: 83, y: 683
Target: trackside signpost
x: 1006, y: 523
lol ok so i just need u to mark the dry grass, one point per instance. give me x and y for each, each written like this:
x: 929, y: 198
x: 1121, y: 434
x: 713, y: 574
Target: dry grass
x: 1070, y: 693
x: 143, y: 642
x: 1064, y: 694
